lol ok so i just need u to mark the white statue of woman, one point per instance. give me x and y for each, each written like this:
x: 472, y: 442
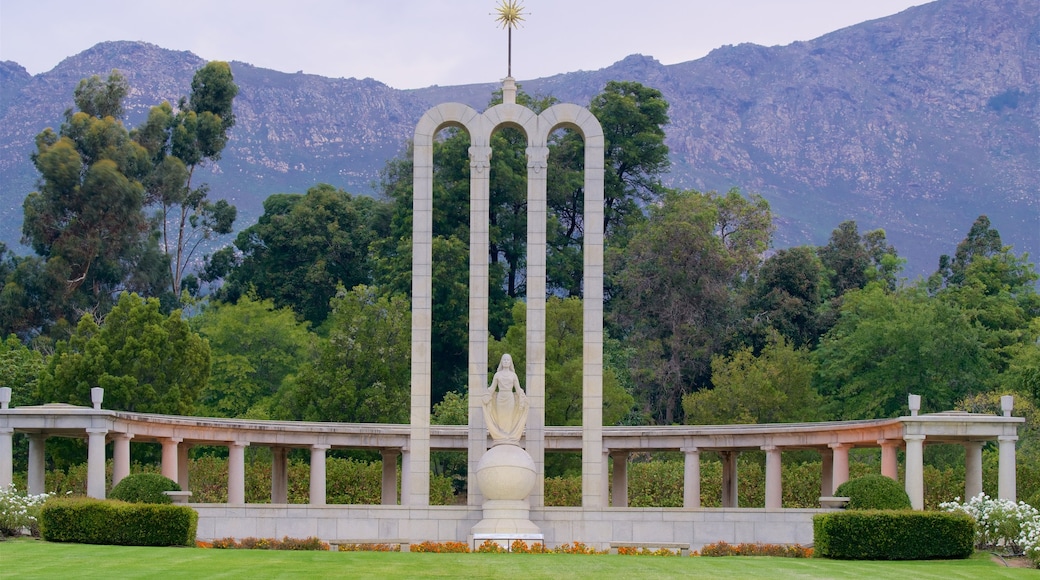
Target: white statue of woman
x: 505, y: 404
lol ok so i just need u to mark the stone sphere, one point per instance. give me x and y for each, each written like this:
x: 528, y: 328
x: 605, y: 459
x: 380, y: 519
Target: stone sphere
x: 506, y: 472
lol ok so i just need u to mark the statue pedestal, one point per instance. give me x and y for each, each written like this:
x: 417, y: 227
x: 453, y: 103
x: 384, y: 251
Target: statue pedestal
x: 506, y: 475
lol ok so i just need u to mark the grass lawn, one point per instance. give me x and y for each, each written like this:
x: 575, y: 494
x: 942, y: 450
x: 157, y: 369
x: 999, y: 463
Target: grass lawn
x: 25, y: 558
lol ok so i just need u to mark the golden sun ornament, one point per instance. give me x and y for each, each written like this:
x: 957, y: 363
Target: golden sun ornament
x: 510, y: 15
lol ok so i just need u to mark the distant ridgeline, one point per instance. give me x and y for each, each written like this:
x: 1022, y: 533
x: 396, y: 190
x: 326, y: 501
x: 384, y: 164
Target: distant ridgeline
x: 916, y: 123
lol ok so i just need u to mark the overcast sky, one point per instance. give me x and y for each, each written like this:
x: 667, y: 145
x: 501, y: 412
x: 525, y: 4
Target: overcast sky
x: 417, y: 43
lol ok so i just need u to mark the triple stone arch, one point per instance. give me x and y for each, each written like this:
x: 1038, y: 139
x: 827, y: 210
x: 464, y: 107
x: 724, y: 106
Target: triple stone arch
x: 537, y: 128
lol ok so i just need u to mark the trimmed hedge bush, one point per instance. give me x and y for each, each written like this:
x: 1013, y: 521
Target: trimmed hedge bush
x: 95, y: 521
x: 144, y: 488
x: 893, y: 535
x: 874, y: 492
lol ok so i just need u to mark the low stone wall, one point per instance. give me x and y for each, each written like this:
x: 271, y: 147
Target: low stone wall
x: 594, y: 527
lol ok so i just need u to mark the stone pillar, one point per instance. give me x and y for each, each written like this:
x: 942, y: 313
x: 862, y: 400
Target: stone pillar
x: 1006, y: 473
x: 479, y: 249
x: 605, y: 476
x: 915, y: 470
x: 592, y: 314
x: 237, y: 472
x: 6, y: 457
x: 840, y: 470
x: 730, y: 484
x: 406, y: 472
x: 279, y: 475
x: 37, y: 464
x: 972, y: 469
x: 182, y: 466
x: 826, y: 472
x: 692, y: 477
x: 774, y: 475
x: 537, y: 219
x: 389, y: 490
x: 169, y: 457
x: 317, y: 496
x: 96, y: 463
x: 620, y: 494
x: 121, y: 457
x: 889, y: 458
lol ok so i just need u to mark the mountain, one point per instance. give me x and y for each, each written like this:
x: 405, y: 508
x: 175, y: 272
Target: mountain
x: 916, y: 123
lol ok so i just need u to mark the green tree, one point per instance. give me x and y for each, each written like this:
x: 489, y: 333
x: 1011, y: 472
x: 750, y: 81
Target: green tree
x: 254, y: 348
x: 301, y: 249
x: 981, y: 241
x: 675, y: 292
x: 786, y: 296
x: 179, y: 143
x: 20, y: 368
x: 363, y: 370
x: 146, y: 361
x: 563, y: 363
x: 773, y: 387
x: 887, y: 345
x: 86, y: 217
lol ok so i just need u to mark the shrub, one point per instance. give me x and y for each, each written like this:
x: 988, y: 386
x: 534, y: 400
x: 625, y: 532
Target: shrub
x: 893, y: 535
x: 144, y: 488
x: 19, y: 512
x: 441, y: 547
x: 776, y: 550
x: 874, y: 492
x: 94, y: 521
x: 1000, y: 524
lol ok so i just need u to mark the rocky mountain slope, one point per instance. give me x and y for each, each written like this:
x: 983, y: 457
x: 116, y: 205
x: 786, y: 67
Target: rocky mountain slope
x: 915, y: 123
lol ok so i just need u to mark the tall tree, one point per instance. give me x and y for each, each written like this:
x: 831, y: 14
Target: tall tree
x: 86, y: 217
x: 180, y: 143
x: 786, y: 297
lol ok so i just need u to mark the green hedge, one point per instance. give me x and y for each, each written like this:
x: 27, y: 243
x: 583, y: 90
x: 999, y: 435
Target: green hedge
x: 144, y: 488
x: 874, y: 492
x: 893, y: 535
x: 95, y: 521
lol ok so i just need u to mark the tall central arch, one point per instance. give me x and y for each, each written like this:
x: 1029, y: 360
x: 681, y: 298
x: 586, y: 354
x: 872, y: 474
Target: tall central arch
x: 537, y: 128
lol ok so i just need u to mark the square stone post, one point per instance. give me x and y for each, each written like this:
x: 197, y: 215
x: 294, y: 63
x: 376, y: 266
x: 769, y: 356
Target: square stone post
x: 774, y: 475
x: 620, y: 491
x: 182, y: 466
x: 96, y: 463
x: 730, y: 484
x: 389, y: 490
x: 417, y: 491
x: 915, y: 470
x: 121, y: 457
x: 237, y: 472
x: 170, y: 455
x: 279, y: 475
x: 6, y: 457
x: 479, y: 250
x: 691, y: 477
x: 317, y: 491
x: 826, y: 472
x: 37, y: 464
x: 972, y: 469
x: 840, y: 471
x: 592, y: 492
x: 1006, y: 471
x: 537, y: 219
x: 889, y: 458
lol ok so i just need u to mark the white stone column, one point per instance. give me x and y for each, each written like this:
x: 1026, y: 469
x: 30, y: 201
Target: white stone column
x: 317, y: 495
x: 537, y: 219
x: 915, y: 470
x: 972, y: 469
x: 774, y: 475
x: 730, y: 483
x: 620, y: 478
x: 96, y: 463
x: 592, y: 374
x: 692, y: 477
x: 37, y: 464
x: 389, y: 491
x: 279, y: 475
x: 121, y: 457
x: 889, y: 458
x: 1006, y: 472
x: 237, y: 472
x: 182, y: 466
x: 169, y: 457
x: 6, y: 457
x: 840, y: 468
x: 479, y: 252
x: 826, y: 472
x: 605, y: 477
x: 406, y: 472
